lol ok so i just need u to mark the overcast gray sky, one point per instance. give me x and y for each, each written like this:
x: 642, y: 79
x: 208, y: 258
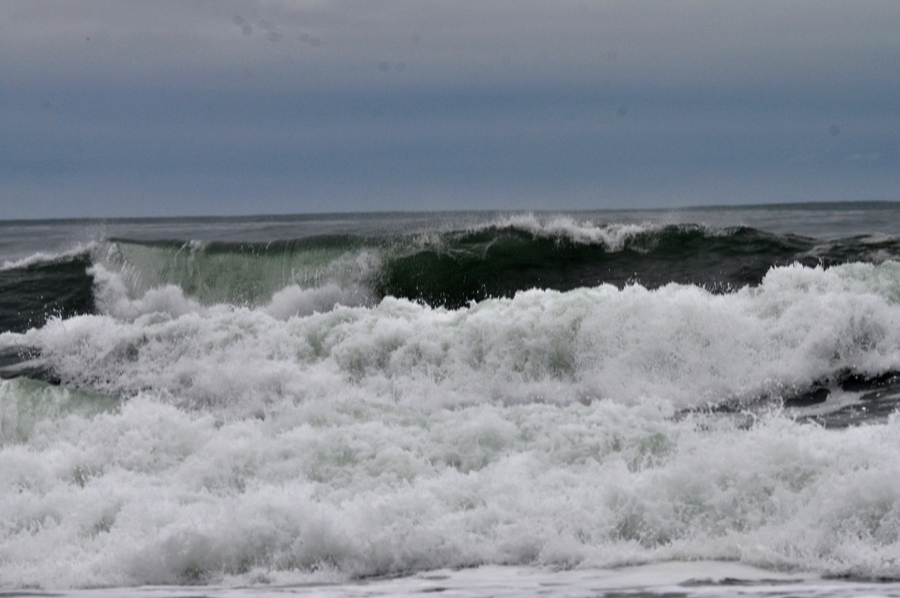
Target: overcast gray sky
x: 127, y: 108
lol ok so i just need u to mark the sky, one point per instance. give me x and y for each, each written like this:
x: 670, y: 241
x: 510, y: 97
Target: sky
x: 122, y: 108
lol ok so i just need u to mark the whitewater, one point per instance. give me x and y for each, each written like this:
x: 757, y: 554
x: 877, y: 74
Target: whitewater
x: 699, y: 402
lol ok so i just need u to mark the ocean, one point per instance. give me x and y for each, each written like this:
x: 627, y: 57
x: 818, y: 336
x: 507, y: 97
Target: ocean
x: 698, y: 402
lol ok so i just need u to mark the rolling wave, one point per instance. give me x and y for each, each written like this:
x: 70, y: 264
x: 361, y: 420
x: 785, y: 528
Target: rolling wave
x: 313, y: 410
x: 449, y: 268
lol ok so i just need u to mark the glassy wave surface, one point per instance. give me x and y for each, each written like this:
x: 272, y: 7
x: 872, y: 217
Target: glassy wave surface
x: 264, y: 401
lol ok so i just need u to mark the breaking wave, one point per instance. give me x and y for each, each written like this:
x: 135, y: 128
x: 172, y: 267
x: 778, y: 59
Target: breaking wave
x: 341, y: 407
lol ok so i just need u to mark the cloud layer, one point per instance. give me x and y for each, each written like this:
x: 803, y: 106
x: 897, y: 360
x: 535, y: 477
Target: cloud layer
x: 119, y: 108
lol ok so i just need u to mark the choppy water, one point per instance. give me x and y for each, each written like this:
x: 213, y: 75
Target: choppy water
x: 268, y: 402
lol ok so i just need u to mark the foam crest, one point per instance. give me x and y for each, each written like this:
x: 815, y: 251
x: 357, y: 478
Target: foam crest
x: 296, y: 301
x: 112, y: 297
x: 42, y: 257
x: 613, y: 236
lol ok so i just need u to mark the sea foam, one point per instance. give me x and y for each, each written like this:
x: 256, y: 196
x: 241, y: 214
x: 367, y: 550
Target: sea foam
x: 678, y: 343
x: 277, y: 444
x: 328, y: 490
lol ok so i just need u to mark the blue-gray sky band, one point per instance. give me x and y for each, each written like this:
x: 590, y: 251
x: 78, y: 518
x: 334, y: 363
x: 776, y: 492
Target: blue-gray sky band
x: 136, y: 109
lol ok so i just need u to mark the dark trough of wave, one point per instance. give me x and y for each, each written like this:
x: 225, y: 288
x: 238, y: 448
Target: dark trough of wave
x: 32, y: 294
x: 878, y: 396
x: 499, y: 261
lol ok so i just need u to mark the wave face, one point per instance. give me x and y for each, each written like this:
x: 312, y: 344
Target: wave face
x: 438, y: 268
x: 33, y: 292
x: 517, y: 392
x: 240, y: 273
x: 452, y: 269
x: 501, y: 261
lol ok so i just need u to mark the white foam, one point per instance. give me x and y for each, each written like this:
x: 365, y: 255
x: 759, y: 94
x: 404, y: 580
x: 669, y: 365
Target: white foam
x: 327, y: 490
x: 678, y: 343
x: 296, y: 301
x: 613, y: 235
x: 112, y: 297
x: 43, y: 257
x: 538, y: 430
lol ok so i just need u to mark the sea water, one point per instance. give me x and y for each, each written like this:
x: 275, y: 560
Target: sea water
x: 697, y: 402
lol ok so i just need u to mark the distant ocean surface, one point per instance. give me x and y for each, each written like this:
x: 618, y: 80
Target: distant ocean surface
x: 692, y: 402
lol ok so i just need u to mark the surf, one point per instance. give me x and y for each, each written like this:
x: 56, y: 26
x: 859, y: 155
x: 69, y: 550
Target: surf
x: 246, y: 412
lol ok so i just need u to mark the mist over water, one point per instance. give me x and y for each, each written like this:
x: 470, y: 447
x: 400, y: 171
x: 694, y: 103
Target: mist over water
x: 269, y: 401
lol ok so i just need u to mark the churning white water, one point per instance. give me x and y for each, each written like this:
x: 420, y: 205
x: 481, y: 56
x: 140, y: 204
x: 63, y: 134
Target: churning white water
x: 549, y: 442
x: 547, y: 429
